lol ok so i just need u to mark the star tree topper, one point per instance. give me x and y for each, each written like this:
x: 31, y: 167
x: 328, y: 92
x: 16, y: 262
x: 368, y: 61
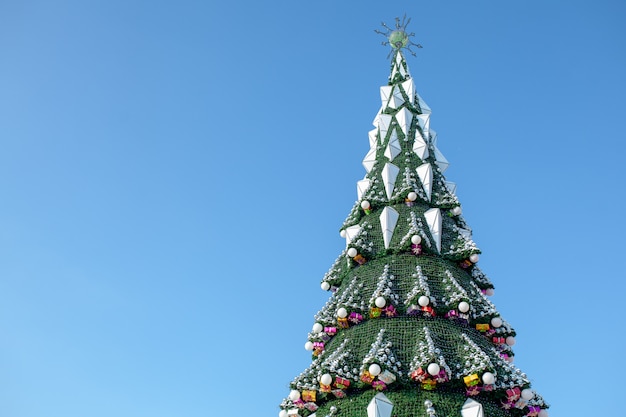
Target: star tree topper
x: 398, y: 38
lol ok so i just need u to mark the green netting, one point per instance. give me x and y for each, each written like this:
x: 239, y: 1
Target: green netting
x: 439, y: 275
x: 410, y: 403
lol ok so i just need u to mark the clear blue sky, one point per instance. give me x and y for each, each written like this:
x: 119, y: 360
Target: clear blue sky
x: 173, y: 176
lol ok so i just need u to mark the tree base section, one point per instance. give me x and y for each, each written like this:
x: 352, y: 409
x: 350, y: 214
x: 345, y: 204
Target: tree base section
x: 410, y: 403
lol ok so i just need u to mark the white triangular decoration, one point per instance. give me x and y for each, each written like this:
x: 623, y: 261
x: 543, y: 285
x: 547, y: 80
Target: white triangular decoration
x: 442, y: 162
x: 372, y: 134
x: 375, y: 121
x: 433, y: 137
x: 385, y: 93
x: 409, y: 89
x: 396, y: 100
x: 370, y: 159
x: 389, y: 174
x: 393, y: 147
x: 472, y: 408
x: 425, y: 108
x: 404, y: 118
x: 351, y: 233
x: 419, y: 146
x: 361, y: 187
x: 388, y: 220
x: 380, y: 406
x: 425, y: 173
x: 433, y: 219
x: 394, y: 71
x: 384, y: 121
x: 424, y: 122
x: 397, y: 67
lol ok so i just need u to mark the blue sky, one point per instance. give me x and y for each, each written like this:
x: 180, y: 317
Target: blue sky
x: 174, y: 175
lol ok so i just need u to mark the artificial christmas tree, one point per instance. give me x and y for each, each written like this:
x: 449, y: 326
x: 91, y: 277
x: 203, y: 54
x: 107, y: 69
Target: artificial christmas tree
x: 408, y: 329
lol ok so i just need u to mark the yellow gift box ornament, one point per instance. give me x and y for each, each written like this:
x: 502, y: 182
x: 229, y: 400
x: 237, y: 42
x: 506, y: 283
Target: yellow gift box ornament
x: 482, y: 327
x: 471, y: 380
x: 360, y: 259
x: 309, y: 395
x: 367, y: 377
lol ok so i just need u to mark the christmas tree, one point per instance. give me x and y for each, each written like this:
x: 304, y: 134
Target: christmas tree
x: 408, y: 329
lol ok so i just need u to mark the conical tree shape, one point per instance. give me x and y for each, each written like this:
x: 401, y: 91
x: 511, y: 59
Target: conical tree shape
x: 408, y: 313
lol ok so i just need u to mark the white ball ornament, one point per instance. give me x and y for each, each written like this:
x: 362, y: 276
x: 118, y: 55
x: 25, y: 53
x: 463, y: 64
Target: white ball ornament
x: 416, y: 239
x: 352, y: 252
x: 542, y: 413
x: 490, y: 292
x: 308, y: 345
x: 433, y: 369
x: 365, y: 204
x: 412, y: 196
x: 456, y: 211
x: 294, y: 395
x: 464, y: 307
x: 342, y: 233
x: 374, y: 369
x: 325, y: 286
x: 423, y: 301
x: 510, y: 340
x: 489, y: 378
x: 474, y: 258
x: 496, y: 322
x: 283, y: 413
x: 317, y: 328
x: 380, y: 302
x: 326, y: 379
x: 527, y: 394
x: 342, y: 313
